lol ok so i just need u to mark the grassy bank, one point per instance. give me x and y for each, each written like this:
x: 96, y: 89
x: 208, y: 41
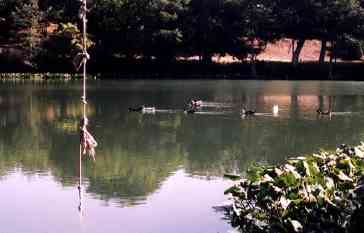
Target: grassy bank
x: 191, y: 70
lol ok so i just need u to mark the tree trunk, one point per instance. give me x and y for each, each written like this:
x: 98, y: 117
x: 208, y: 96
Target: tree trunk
x: 323, y: 51
x: 321, y: 102
x: 206, y: 58
x: 297, y: 51
x: 332, y: 54
x: 253, y: 65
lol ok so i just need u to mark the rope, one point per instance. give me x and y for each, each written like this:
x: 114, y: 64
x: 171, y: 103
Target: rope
x: 87, y: 141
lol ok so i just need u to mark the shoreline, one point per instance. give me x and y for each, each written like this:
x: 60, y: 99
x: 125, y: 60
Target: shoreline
x: 264, y: 70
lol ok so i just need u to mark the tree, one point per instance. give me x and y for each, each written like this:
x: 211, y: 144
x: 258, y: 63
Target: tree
x: 112, y: 33
x: 20, y: 26
x: 61, y: 11
x: 325, y: 20
x: 167, y: 36
x: 136, y: 28
x: 247, y: 28
x: 202, y: 28
x: 59, y: 50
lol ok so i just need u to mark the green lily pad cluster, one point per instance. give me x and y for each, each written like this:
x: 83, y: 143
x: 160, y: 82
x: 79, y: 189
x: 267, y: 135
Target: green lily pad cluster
x: 316, y: 193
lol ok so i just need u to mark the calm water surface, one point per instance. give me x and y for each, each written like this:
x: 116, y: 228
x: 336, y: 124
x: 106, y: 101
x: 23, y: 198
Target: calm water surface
x: 157, y: 172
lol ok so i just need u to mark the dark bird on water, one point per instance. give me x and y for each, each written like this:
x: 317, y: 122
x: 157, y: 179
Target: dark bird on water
x: 245, y: 112
x: 320, y: 112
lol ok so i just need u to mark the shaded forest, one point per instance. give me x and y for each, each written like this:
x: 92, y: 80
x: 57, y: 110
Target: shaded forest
x: 44, y: 35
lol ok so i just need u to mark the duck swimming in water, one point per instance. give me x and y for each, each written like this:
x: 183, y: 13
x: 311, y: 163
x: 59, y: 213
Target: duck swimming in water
x: 190, y: 111
x: 275, y: 110
x: 245, y: 112
x: 142, y: 109
x: 320, y: 112
x: 138, y: 109
x: 195, y: 103
x: 148, y: 110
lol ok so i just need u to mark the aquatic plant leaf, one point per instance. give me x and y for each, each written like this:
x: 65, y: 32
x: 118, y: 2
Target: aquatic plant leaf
x: 319, y: 156
x: 284, y: 202
x: 343, y: 177
x: 297, y: 201
x: 292, y: 161
x: 278, y: 171
x: 307, y: 168
x: 292, y: 169
x: 314, y: 168
x: 359, y: 152
x: 348, y: 162
x: 276, y: 189
x: 287, y: 180
x: 232, y: 190
x: 297, y: 226
x: 329, y: 182
x: 267, y: 178
x: 305, y: 193
x: 254, y: 173
x: 232, y: 176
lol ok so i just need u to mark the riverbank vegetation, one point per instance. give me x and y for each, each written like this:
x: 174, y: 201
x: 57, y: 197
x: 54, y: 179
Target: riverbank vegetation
x: 322, y: 192
x: 44, y: 35
x: 267, y: 70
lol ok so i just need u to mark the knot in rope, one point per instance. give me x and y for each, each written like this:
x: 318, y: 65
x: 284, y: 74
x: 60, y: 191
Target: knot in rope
x: 80, y: 59
x: 87, y: 141
x: 83, y: 100
x: 83, y: 10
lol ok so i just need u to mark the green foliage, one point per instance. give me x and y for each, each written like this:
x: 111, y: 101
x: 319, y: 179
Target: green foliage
x: 60, y: 11
x: 61, y: 48
x: 164, y: 30
x: 202, y: 28
x: 317, y: 193
x: 349, y: 48
x: 136, y: 28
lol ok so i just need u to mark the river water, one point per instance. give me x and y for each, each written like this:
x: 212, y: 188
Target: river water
x: 161, y: 172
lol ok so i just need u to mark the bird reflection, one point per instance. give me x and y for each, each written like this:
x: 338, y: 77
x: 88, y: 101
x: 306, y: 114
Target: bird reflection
x: 320, y: 112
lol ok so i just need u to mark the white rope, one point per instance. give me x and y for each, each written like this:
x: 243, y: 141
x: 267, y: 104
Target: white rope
x: 87, y: 141
x: 83, y: 62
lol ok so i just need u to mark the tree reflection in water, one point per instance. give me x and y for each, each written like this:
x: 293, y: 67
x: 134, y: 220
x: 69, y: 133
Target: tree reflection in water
x: 137, y: 153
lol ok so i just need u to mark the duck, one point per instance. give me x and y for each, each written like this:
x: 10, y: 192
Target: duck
x: 142, y: 109
x: 275, y: 110
x: 138, y: 109
x: 190, y: 111
x: 148, y: 109
x: 320, y: 112
x: 245, y: 112
x: 195, y: 103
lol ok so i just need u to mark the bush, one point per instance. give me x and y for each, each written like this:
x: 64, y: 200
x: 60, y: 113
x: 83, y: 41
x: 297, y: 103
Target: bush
x: 349, y: 49
x: 317, y: 193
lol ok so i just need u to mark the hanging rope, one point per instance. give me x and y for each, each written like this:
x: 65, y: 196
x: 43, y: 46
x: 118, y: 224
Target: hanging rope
x: 87, y: 141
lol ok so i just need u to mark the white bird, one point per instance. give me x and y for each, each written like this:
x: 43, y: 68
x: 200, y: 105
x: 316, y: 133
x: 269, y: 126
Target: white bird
x: 275, y: 110
x: 148, y: 109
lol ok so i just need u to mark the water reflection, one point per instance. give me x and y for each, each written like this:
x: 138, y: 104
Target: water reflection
x: 137, y: 153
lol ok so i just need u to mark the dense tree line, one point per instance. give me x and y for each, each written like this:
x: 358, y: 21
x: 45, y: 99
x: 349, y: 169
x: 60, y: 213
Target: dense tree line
x: 165, y: 29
